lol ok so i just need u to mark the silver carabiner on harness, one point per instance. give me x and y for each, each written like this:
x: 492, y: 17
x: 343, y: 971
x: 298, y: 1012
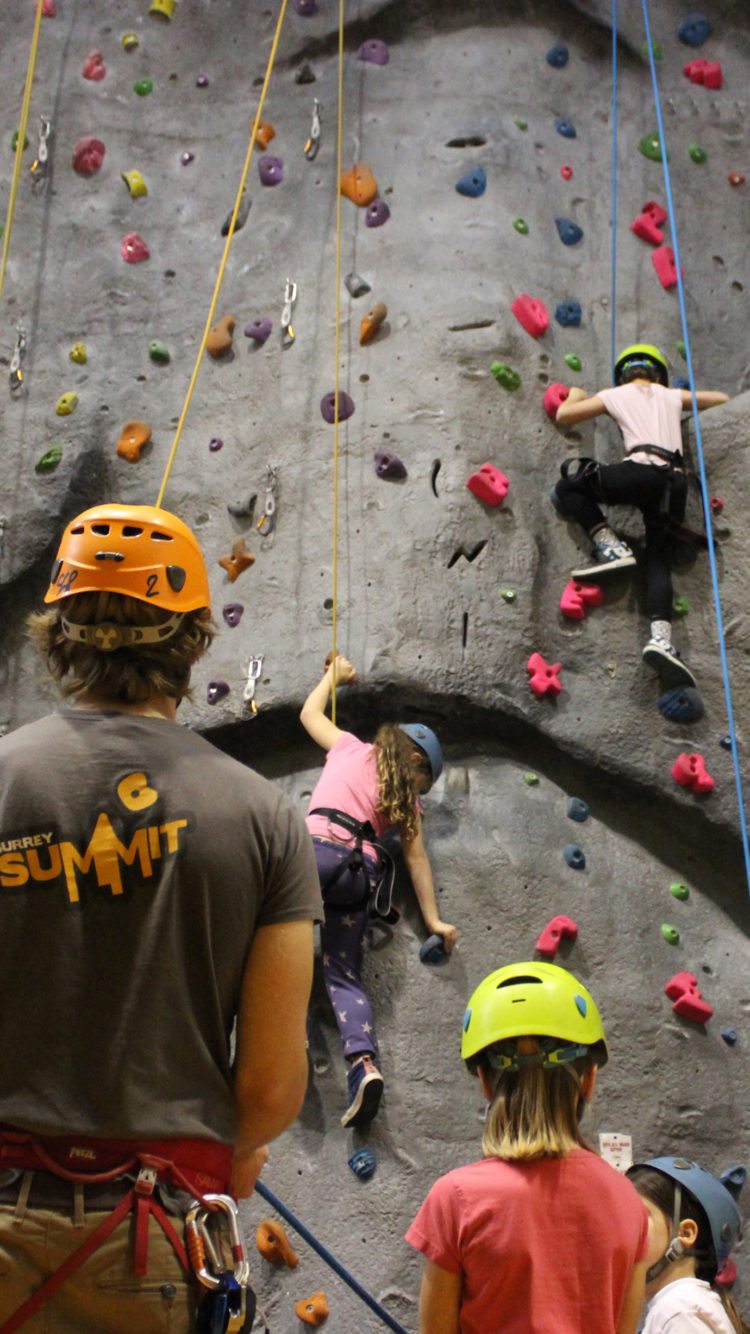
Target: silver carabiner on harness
x: 40, y: 166
x: 313, y: 142
x: 266, y: 524
x: 254, y: 670
x: 290, y: 296
x: 16, y: 363
x: 226, y: 1308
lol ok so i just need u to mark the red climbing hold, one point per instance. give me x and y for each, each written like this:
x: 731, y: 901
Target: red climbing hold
x: 88, y: 156
x: 133, y: 248
x: 717, y: 504
x: 683, y: 989
x: 707, y: 72
x: 532, y: 314
x: 557, y: 929
x: 554, y: 395
x: 544, y: 680
x: 49, y: 9
x: 489, y: 484
x: 649, y: 222
x: 664, y: 263
x: 690, y: 771
x: 577, y: 597
x: 94, y: 67
x: 566, y: 172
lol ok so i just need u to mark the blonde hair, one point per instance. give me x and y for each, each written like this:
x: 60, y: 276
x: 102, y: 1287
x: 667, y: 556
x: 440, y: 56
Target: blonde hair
x: 397, y: 796
x: 534, y: 1113
x: 130, y: 674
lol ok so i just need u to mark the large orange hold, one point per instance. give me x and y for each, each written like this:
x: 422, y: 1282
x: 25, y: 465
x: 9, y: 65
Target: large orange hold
x: 313, y: 1310
x: 372, y: 322
x: 134, y: 436
x: 219, y: 341
x: 240, y: 559
x: 359, y: 185
x: 274, y: 1244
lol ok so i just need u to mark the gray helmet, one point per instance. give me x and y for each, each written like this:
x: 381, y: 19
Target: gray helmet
x: 428, y: 742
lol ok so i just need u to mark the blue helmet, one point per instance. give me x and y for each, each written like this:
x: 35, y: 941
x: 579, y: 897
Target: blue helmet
x: 428, y: 742
x: 717, y: 1203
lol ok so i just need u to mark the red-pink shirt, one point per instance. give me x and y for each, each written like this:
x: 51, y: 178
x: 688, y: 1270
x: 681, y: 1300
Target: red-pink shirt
x: 545, y: 1247
x: 349, y: 783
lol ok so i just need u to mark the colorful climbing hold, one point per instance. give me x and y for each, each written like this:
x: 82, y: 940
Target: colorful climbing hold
x: 554, y: 395
x: 389, y: 466
x: 521, y: 122
x: 94, y: 67
x: 521, y: 226
x: 134, y: 437
x: 78, y: 354
x: 143, y: 87
x: 186, y: 157
x: 14, y: 141
x: 202, y: 81
x: 355, y: 285
x: 576, y: 597
x: 681, y: 704
x: 372, y: 322
x: 216, y: 690
x: 531, y: 779
x: 697, y: 154
x: 683, y: 989
x: 650, y: 147
x: 133, y: 248
x: 670, y: 934
x: 694, y: 29
x: 66, y: 404
x: 363, y: 1163
x: 264, y: 134
x: 359, y: 185
x: 573, y: 360
x: 232, y: 613
x: 508, y: 594
x: 543, y: 676
x: 690, y: 771
x: 270, y: 170
x: 239, y: 560
x: 135, y: 183
x: 305, y: 8
x: 531, y: 313
x: 663, y: 261
x: 557, y: 929
x: 328, y: 406
x: 159, y: 353
x: 680, y: 606
x: 578, y: 809
x: 706, y: 72
x: 656, y: 51
x: 566, y: 171
x: 274, y: 1245
x: 374, y: 52
x: 725, y: 742
x: 473, y: 182
x: 129, y: 41
x: 569, y: 231
x: 568, y: 314
x: 377, y: 213
x: 220, y: 339
x: 505, y: 375
x: 575, y: 857
x: 243, y: 509
x: 489, y: 484
x: 313, y: 1310
x: 682, y: 350
x: 558, y: 56
x: 736, y: 178
x: 163, y: 8
x: 729, y: 1035
x: 717, y: 504
x: 49, y: 461
x: 88, y: 156
x: 648, y: 224
x: 49, y: 9
x: 259, y: 330
x: 432, y: 951
x: 565, y: 127
x: 679, y: 891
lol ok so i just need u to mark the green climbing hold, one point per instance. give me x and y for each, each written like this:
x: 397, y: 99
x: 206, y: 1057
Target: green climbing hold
x: 49, y: 461
x: 531, y: 780
x: 681, y: 606
x: 680, y: 891
x: 650, y: 147
x: 670, y: 934
x: 682, y: 350
x: 143, y: 87
x: 572, y: 360
x: 508, y: 594
x: 521, y: 122
x: 521, y: 226
x: 160, y: 353
x: 697, y: 153
x: 505, y: 375
x: 14, y: 141
x: 656, y: 51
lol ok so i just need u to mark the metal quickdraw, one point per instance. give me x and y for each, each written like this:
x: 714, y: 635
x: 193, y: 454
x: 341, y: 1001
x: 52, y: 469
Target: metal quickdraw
x: 266, y: 524
x: 313, y: 142
x: 16, y: 376
x: 40, y: 166
x: 254, y: 670
x: 290, y: 297
x: 229, y: 1303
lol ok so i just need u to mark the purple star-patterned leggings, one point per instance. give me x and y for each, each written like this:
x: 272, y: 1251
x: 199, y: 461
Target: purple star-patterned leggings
x: 342, y: 935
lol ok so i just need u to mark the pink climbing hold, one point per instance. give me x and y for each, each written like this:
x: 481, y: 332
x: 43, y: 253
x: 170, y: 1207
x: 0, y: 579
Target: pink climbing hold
x: 577, y: 597
x: 544, y: 679
x: 489, y: 484
x: 566, y: 172
x: 49, y: 9
x: 133, y: 248
x: 717, y: 504
x: 88, y: 156
x: 94, y: 67
x: 666, y: 268
x: 690, y: 771
x: 531, y: 313
x: 706, y: 72
x: 559, y: 928
x: 649, y: 222
x: 683, y: 989
x: 554, y: 395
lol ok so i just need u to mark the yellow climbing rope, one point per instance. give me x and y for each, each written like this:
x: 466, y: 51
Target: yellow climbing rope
x: 20, y: 142
x: 337, y: 375
x: 225, y: 256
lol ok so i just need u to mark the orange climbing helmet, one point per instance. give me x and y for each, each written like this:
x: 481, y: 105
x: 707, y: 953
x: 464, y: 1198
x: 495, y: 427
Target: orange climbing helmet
x: 136, y: 550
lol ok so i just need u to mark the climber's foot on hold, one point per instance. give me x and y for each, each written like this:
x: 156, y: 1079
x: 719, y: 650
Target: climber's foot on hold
x: 665, y: 659
x: 609, y: 554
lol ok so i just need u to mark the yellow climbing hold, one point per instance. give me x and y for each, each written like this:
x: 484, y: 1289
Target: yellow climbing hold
x: 130, y: 41
x: 66, y: 404
x: 78, y: 354
x: 163, y: 8
x: 135, y: 183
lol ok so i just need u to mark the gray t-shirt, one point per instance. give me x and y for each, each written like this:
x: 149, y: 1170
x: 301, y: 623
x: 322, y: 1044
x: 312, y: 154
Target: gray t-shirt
x: 136, y: 863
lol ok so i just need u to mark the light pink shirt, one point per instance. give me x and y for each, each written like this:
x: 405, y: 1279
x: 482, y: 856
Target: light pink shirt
x: 647, y: 414
x: 687, y: 1306
x: 349, y: 783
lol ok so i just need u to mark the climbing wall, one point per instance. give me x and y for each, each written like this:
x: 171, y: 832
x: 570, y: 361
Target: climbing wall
x: 491, y: 157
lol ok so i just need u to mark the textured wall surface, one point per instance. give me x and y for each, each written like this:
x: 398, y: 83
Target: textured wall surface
x: 426, y: 625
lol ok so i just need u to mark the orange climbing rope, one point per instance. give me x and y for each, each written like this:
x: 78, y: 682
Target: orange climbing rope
x: 224, y: 257
x: 337, y: 375
x: 20, y: 142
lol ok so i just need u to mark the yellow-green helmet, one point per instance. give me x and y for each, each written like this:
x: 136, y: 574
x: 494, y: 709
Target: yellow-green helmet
x: 641, y: 356
x: 533, y: 1000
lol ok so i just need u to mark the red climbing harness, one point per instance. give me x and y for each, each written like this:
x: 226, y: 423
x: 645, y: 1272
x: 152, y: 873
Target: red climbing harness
x: 194, y: 1165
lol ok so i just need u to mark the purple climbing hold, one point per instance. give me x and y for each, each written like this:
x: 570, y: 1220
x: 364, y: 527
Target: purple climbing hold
x: 694, y: 29
x: 377, y: 213
x: 328, y: 406
x: 201, y: 81
x: 216, y: 690
x: 568, y: 231
x: 215, y: 444
x: 568, y: 314
x: 558, y: 56
x: 473, y: 182
x: 271, y: 170
x: 389, y: 466
x: 187, y: 157
x: 258, y: 330
x: 232, y: 613
x: 305, y: 8
x: 565, y: 127
x: 374, y: 52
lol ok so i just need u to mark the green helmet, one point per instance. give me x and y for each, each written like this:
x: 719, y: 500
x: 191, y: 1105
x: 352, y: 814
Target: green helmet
x: 641, y: 356
x: 534, y: 1000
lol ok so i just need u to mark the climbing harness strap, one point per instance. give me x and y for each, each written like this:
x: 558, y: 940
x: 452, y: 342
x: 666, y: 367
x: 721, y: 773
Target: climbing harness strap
x: 362, y: 832
x: 585, y: 469
x: 670, y: 456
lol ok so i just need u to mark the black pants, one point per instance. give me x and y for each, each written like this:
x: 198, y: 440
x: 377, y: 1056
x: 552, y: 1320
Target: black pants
x: 643, y: 485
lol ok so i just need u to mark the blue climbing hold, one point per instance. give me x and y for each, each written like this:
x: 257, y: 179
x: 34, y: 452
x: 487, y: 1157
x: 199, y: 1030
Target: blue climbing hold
x: 694, y: 29
x: 734, y: 1178
x: 679, y: 382
x: 363, y: 1163
x: 472, y: 183
x: 681, y: 704
x: 565, y: 127
x: 578, y: 809
x: 558, y: 56
x: 725, y: 742
x: 568, y: 314
x: 569, y: 231
x: 433, y: 951
x: 729, y: 1035
x: 575, y: 856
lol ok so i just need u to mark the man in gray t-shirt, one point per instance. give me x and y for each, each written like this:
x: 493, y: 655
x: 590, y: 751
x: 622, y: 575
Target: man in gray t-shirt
x: 152, y: 892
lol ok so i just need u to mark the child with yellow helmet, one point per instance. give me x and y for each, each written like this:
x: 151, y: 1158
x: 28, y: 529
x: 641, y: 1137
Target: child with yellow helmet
x: 652, y: 477
x: 540, y: 1234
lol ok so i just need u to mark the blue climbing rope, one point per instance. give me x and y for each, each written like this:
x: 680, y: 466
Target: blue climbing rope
x: 330, y: 1259
x: 613, y: 219
x: 699, y: 451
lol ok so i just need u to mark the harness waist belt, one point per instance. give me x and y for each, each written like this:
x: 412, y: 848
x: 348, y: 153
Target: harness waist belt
x: 198, y: 1165
x: 671, y: 456
x: 361, y: 830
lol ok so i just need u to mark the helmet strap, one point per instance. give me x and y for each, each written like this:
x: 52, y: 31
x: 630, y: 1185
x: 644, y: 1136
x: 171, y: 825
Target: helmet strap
x: 676, y: 1249
x: 108, y: 636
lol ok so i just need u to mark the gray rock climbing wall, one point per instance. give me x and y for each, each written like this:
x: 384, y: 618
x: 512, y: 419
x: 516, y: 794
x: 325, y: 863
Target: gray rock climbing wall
x: 422, y: 563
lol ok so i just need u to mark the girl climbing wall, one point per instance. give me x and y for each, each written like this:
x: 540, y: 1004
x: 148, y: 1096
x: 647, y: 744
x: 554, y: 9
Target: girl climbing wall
x: 364, y: 790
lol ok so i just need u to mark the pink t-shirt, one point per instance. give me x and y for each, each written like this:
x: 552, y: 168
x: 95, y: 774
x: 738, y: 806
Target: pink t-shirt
x: 349, y: 783
x: 647, y: 414
x: 546, y: 1246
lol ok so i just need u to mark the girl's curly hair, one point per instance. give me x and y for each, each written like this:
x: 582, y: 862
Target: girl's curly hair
x: 397, y: 800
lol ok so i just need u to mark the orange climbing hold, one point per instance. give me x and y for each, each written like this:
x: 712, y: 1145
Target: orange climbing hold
x: 219, y: 341
x: 271, y: 1239
x: 372, y: 322
x: 313, y: 1310
x: 264, y: 134
x: 134, y: 437
x: 359, y: 185
x: 240, y: 559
